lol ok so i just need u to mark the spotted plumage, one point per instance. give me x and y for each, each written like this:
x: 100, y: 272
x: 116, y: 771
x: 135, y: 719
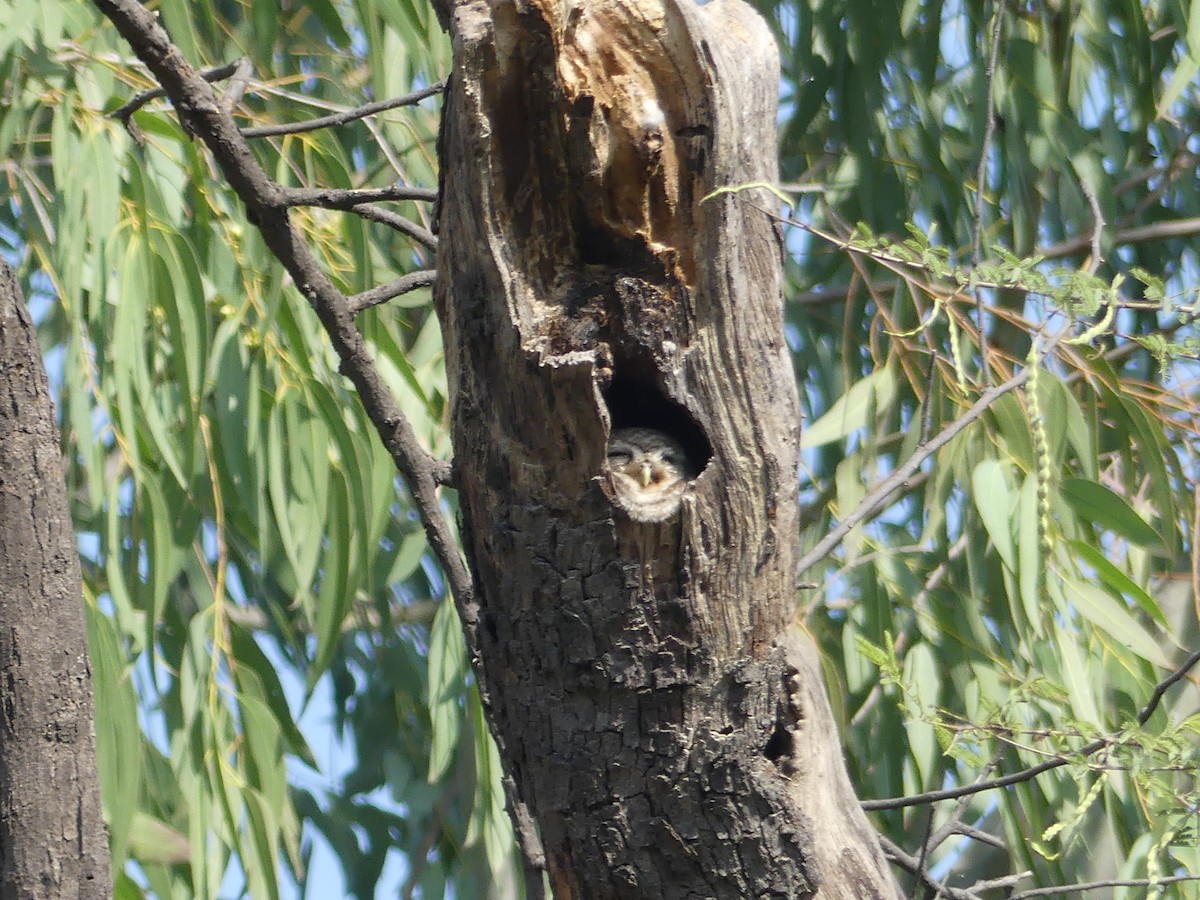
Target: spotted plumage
x: 649, y: 471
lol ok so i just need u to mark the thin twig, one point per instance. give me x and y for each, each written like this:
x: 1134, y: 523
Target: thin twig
x: 238, y: 83
x: 978, y: 834
x: 125, y: 112
x: 1034, y: 771
x: 405, y: 226
x: 349, y: 115
x: 989, y: 130
x: 1124, y: 237
x: 1075, y: 889
x: 337, y: 198
x: 533, y: 854
x: 878, y: 497
x: 385, y: 292
x: 1097, y: 226
x: 1139, y: 235
x: 419, y: 612
x: 909, y: 864
x: 954, y: 823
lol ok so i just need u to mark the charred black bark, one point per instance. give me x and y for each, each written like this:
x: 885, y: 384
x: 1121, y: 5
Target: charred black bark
x: 663, y: 723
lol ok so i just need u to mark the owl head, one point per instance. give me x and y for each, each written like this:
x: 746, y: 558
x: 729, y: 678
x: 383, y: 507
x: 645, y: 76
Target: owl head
x: 649, y: 472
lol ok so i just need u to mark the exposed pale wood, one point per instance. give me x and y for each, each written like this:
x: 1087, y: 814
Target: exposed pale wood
x: 662, y: 723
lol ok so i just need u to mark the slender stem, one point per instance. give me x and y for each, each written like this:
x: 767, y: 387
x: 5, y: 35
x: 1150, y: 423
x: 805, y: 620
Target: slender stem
x: 989, y: 130
x: 350, y: 115
x: 1033, y: 771
x: 878, y: 498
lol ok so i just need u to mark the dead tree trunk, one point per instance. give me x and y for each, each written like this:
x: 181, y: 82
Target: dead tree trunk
x: 663, y: 723
x: 52, y: 837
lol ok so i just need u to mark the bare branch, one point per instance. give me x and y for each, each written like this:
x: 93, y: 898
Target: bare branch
x: 350, y: 115
x: 1141, y: 235
x: 334, y: 198
x: 1074, y: 890
x: 385, y: 292
x: 405, y: 226
x: 125, y: 113
x: 954, y: 823
x: 419, y: 612
x: 1097, y: 226
x: 237, y: 85
x: 911, y: 865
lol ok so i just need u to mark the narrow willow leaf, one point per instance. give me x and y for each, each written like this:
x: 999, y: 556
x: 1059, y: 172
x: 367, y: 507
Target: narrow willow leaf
x: 407, y: 557
x: 276, y: 448
x: 1106, y: 613
x: 103, y: 183
x: 447, y: 656
x: 994, y: 501
x: 1077, y: 677
x: 1119, y: 581
x: 853, y: 410
x: 153, y: 841
x: 1012, y: 420
x: 1030, y: 555
x: 353, y: 468
x: 336, y: 591
x: 256, y: 677
x: 187, y: 316
x: 1183, y: 78
x: 1095, y: 503
x: 923, y: 680
x: 1072, y: 424
x: 328, y: 14
x: 258, y: 851
x: 160, y: 547
x: 118, y: 735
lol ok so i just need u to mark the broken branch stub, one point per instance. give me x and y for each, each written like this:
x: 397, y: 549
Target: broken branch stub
x: 641, y: 688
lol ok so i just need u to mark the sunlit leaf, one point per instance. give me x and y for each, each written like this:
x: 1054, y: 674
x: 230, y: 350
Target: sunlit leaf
x: 853, y: 410
x: 1095, y: 503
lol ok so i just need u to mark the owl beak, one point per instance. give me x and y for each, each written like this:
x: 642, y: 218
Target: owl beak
x: 647, y: 474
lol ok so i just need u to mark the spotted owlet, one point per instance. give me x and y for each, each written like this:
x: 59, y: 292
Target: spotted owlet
x: 649, y: 472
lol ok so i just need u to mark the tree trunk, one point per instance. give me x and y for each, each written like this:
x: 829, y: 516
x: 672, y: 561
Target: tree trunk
x: 663, y: 719
x: 52, y: 838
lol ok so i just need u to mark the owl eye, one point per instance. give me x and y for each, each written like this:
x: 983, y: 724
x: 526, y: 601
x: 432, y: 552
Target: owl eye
x: 673, y: 459
x: 619, y: 457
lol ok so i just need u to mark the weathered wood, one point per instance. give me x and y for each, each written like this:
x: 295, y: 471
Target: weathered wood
x: 52, y: 837
x: 661, y: 722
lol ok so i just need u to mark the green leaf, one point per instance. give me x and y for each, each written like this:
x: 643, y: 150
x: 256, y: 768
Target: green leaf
x: 1184, y: 78
x: 853, y: 410
x: 1119, y: 581
x: 1030, y: 554
x: 336, y: 592
x: 994, y: 501
x: 153, y: 841
x: 1102, y: 610
x: 118, y: 735
x: 447, y: 661
x: 258, y: 678
x: 1095, y: 503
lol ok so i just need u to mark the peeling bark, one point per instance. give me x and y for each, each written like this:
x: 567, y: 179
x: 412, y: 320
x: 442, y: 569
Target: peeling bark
x: 661, y: 716
x: 52, y: 837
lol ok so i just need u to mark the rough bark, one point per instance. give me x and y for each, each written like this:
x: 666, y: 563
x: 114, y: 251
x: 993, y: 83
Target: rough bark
x: 662, y: 718
x: 52, y: 838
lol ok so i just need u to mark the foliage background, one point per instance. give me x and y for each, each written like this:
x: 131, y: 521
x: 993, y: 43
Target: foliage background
x: 244, y: 534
